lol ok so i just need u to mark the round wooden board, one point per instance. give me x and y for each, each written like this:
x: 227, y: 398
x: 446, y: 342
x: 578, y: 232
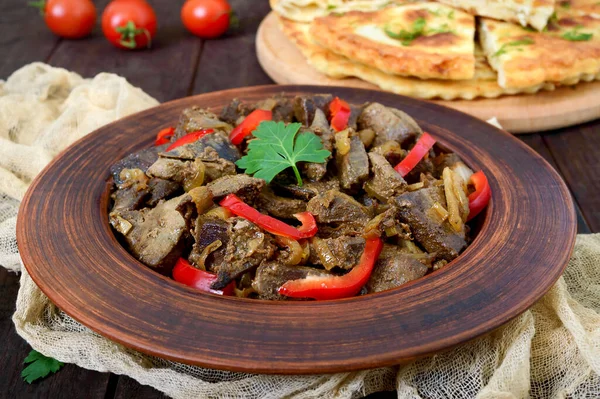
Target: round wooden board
x: 566, y: 106
x: 525, y: 240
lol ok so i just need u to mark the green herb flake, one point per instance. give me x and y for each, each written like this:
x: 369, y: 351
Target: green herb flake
x: 565, y: 4
x: 331, y: 7
x: 406, y: 37
x: 576, y: 36
x: 505, y: 47
x: 39, y: 366
x: 451, y: 14
x: 278, y: 146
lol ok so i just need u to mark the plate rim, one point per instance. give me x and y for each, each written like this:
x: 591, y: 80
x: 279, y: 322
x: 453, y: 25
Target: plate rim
x: 316, y: 367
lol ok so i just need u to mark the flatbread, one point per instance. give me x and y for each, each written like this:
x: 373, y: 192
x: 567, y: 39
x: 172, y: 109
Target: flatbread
x: 307, y: 10
x: 333, y: 65
x: 525, y: 12
x: 442, y: 49
x: 523, y: 58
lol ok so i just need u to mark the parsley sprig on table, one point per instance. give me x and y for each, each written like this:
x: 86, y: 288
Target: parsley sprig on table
x: 278, y: 146
x: 39, y: 366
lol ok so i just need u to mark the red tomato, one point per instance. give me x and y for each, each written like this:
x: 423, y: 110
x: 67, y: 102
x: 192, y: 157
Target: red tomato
x: 206, y: 18
x: 71, y: 19
x: 129, y: 24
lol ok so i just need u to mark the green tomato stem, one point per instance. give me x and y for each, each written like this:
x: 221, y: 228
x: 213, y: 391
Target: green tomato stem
x: 128, y: 33
x: 40, y: 5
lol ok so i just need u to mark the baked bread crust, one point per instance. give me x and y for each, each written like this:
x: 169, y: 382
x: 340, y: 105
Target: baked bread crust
x: 444, y: 50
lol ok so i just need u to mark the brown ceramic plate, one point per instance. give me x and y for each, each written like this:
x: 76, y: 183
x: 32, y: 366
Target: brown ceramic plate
x: 526, y: 237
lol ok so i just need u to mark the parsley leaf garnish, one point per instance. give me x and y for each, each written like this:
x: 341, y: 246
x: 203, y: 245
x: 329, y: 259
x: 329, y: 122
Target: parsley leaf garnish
x: 277, y: 146
x: 576, y: 36
x: 39, y: 366
x: 506, y: 46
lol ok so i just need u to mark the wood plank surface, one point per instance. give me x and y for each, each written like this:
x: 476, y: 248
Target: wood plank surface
x: 24, y: 37
x: 165, y: 71
x: 577, y: 154
x: 230, y: 61
x: 179, y: 65
x: 70, y: 382
x: 536, y: 142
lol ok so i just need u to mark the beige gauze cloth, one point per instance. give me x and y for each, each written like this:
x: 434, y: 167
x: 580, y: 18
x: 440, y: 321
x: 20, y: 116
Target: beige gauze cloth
x: 550, y: 351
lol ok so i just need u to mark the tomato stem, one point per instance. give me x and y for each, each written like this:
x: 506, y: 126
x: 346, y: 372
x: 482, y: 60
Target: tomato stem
x: 128, y: 33
x: 40, y: 5
x: 234, y: 21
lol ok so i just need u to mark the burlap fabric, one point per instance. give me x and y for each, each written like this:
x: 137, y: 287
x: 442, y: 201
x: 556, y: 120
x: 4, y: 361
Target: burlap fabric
x: 551, y: 351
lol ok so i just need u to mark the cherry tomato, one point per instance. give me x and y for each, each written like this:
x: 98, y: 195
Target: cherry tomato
x: 72, y: 19
x: 206, y: 18
x: 129, y: 24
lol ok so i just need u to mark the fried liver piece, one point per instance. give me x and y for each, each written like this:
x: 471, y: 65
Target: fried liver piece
x: 207, y: 230
x: 388, y: 124
x: 219, y: 142
x: 343, y: 252
x: 437, y: 238
x: 394, y: 268
x: 386, y: 183
x: 272, y: 275
x: 244, y: 186
x: 279, y: 207
x: 156, y: 237
x: 247, y: 248
x: 353, y: 167
x: 195, y: 118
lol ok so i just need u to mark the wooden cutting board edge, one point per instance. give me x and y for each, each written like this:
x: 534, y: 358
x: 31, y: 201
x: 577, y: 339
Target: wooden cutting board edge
x: 527, y: 113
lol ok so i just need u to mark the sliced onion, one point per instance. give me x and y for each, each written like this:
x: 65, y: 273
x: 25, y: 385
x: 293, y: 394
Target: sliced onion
x: 296, y: 251
x: 191, y: 182
x: 342, y: 142
x: 441, y: 211
x: 123, y: 226
x: 463, y: 171
x: 415, y: 186
x: 220, y: 213
x: 202, y: 197
x: 244, y: 293
x: 209, y: 249
x: 327, y: 257
x: 367, y: 136
x: 452, y: 202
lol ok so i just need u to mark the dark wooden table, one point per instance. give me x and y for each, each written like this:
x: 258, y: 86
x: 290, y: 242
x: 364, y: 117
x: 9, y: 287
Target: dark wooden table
x: 181, y: 65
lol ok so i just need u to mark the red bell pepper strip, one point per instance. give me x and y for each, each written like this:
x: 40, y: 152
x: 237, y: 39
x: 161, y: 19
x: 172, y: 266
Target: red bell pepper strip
x: 340, y: 114
x: 164, y: 136
x: 479, y: 199
x: 187, y: 274
x: 189, y: 138
x: 249, y: 124
x: 239, y: 208
x: 336, y: 287
x: 415, y: 155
